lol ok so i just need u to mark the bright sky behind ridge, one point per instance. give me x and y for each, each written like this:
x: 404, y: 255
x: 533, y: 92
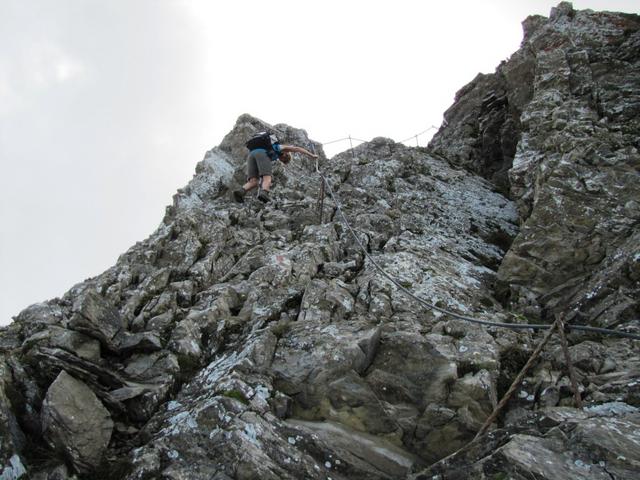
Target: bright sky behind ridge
x: 107, y: 106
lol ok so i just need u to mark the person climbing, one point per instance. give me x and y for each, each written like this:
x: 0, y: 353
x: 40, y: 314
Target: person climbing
x: 264, y: 149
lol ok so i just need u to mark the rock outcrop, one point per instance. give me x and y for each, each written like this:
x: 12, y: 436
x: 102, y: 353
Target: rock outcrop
x: 557, y: 128
x: 252, y: 341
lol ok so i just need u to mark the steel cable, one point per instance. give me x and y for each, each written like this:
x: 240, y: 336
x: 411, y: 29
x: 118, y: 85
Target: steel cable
x: 344, y: 139
x: 513, y: 326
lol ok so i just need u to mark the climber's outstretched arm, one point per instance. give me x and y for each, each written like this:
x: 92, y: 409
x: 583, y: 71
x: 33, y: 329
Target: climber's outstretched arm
x: 293, y: 148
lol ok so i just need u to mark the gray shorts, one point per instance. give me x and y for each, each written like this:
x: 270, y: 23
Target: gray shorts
x: 259, y: 164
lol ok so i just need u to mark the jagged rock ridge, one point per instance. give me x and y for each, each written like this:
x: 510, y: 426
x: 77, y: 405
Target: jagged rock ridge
x: 251, y: 341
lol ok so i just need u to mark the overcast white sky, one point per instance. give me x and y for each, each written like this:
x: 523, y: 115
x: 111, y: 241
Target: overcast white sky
x: 107, y: 106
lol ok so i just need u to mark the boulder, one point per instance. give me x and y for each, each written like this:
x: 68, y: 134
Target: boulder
x: 75, y: 423
x: 40, y: 316
x: 97, y: 318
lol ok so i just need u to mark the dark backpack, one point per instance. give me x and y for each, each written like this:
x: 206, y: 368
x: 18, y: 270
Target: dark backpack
x: 264, y: 140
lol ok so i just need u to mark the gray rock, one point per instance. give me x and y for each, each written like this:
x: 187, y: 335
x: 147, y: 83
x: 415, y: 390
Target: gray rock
x: 523, y: 454
x: 14, y: 469
x: 186, y: 343
x: 475, y: 397
x: 254, y: 341
x: 335, y: 269
x: 354, y: 404
x: 152, y: 367
x: 12, y: 438
x: 40, y: 316
x: 160, y: 323
x: 555, y: 125
x: 568, y: 443
x: 95, y: 317
x: 139, y: 342
x: 384, y: 459
x: 76, y: 423
x: 79, y: 344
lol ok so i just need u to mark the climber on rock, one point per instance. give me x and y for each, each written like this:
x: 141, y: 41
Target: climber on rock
x: 264, y: 149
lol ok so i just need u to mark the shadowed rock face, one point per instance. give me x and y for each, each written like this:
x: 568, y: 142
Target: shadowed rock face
x: 254, y: 341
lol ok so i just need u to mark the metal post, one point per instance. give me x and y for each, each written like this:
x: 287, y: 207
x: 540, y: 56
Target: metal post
x: 321, y: 201
x: 567, y: 358
x: 321, y: 195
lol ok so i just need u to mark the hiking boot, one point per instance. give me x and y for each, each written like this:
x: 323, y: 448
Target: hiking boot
x: 263, y: 196
x: 238, y: 195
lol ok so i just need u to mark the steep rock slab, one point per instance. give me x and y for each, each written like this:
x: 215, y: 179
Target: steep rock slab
x: 76, y: 423
x: 575, y: 173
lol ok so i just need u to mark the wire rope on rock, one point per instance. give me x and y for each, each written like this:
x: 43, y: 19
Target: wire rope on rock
x: 431, y: 306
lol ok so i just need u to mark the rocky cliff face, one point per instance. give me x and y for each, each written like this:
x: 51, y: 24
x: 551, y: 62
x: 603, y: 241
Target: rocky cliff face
x: 556, y: 127
x: 255, y: 341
